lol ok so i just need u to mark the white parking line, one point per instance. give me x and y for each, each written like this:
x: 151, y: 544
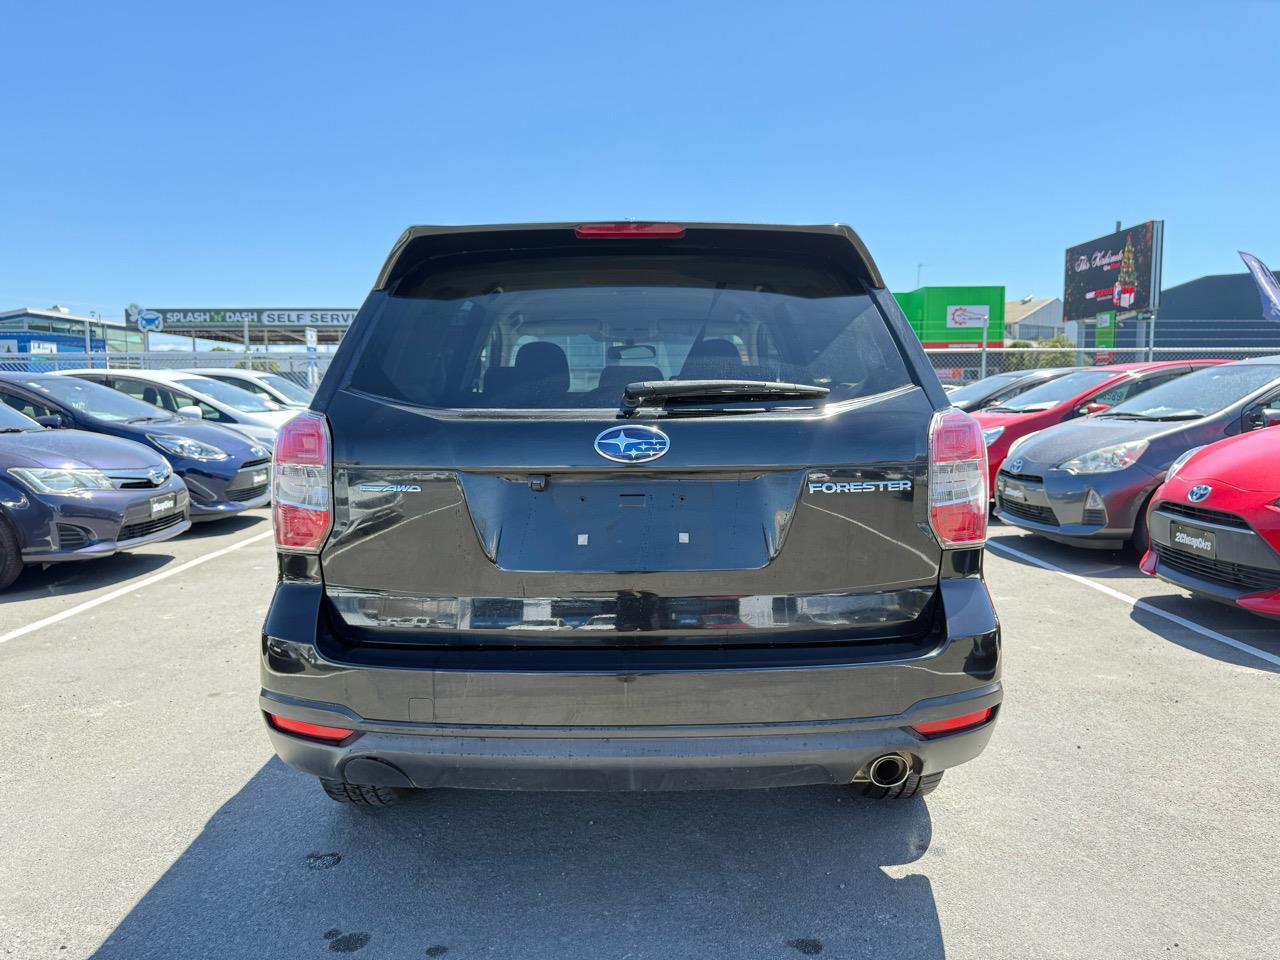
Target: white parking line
x: 129, y: 588
x: 1142, y: 605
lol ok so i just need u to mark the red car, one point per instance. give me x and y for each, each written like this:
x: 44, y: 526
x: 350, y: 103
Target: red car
x: 1088, y: 390
x: 1215, y: 523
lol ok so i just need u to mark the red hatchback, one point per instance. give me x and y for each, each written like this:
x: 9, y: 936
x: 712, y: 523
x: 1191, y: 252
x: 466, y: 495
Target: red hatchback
x: 1088, y: 390
x: 1215, y: 523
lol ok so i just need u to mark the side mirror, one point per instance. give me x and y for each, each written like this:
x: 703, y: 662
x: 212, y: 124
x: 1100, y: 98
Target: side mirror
x: 1094, y: 407
x: 190, y: 411
x: 1271, y: 417
x: 56, y: 421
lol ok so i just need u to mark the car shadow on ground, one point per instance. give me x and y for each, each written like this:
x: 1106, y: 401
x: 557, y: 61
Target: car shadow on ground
x: 1085, y: 562
x: 208, y: 529
x: 281, y: 871
x: 62, y: 579
x: 1235, y: 624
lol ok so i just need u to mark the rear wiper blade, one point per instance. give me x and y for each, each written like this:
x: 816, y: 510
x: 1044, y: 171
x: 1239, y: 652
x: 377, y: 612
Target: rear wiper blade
x: 679, y: 391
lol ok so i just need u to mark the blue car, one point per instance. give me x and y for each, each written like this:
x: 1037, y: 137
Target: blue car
x: 70, y: 495
x: 225, y: 472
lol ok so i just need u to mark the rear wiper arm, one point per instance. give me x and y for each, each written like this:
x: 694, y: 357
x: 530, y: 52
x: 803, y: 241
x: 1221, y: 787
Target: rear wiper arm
x: 668, y: 391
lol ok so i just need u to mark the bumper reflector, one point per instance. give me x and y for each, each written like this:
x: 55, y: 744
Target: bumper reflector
x: 936, y: 728
x: 1148, y: 564
x: 315, y: 731
x: 1267, y: 604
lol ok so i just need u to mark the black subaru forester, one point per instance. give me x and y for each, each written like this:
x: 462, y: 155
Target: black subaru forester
x: 629, y: 506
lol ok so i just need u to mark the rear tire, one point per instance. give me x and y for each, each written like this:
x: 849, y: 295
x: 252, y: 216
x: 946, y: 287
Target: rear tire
x: 10, y: 554
x: 361, y: 795
x: 914, y: 786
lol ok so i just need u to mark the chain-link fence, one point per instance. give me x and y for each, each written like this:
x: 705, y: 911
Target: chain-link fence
x: 303, y: 368
x: 966, y: 365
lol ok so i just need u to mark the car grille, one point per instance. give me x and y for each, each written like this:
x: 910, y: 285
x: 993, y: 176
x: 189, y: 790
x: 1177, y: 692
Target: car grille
x: 147, y: 527
x: 1030, y: 477
x: 1029, y: 511
x: 255, y: 463
x: 71, y: 537
x: 1219, y: 571
x: 247, y: 493
x: 1208, y: 516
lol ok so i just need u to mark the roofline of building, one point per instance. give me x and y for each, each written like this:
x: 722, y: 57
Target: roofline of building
x: 58, y: 315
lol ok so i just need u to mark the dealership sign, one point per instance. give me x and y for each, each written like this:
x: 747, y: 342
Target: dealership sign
x: 977, y: 317
x: 156, y: 319
x: 1120, y: 271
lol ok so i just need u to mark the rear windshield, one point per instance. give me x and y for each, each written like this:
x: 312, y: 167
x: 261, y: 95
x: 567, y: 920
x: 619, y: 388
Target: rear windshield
x: 1049, y: 395
x: 1199, y: 393
x: 549, y: 332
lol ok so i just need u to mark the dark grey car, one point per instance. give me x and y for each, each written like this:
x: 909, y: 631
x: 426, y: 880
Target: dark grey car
x: 1000, y: 387
x: 629, y: 506
x: 1087, y: 482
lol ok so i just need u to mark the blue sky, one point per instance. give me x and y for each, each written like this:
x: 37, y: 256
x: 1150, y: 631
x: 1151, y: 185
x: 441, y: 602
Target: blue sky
x: 269, y: 154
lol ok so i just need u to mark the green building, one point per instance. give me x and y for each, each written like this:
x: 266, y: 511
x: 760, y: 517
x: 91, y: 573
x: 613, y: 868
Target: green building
x: 954, y: 316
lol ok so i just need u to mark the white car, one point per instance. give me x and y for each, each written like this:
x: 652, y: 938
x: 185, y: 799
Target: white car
x: 269, y: 386
x: 198, y: 398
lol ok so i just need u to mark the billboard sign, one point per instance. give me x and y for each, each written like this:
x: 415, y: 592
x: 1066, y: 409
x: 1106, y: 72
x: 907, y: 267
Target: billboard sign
x: 974, y: 316
x: 237, y: 318
x: 1120, y: 271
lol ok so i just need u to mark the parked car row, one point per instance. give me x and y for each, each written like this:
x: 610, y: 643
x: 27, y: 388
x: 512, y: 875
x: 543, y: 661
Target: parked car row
x: 1169, y: 458
x: 93, y: 462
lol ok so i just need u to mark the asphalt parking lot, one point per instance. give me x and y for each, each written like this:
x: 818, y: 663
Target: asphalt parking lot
x: 1125, y: 808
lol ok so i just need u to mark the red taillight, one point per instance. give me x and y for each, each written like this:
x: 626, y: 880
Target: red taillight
x: 957, y: 480
x: 936, y: 728
x: 624, y: 231
x: 300, y: 482
x: 315, y: 731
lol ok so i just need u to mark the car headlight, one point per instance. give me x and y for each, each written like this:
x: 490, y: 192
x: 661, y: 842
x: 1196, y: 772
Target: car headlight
x: 186, y: 447
x: 49, y: 480
x: 1181, y: 461
x: 1118, y: 456
x: 992, y: 434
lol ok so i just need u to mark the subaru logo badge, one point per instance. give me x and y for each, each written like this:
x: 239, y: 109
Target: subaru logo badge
x: 1199, y: 493
x: 1016, y: 466
x: 632, y: 444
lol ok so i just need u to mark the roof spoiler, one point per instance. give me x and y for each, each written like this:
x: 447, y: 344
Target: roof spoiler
x: 834, y: 241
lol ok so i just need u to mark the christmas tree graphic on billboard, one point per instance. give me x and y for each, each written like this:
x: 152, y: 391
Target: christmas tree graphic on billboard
x: 1127, y: 282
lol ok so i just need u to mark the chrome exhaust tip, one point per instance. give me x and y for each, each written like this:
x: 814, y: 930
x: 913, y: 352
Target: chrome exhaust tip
x: 891, y: 770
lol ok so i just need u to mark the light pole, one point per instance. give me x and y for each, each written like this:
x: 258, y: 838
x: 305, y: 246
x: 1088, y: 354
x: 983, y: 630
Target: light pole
x: 919, y: 267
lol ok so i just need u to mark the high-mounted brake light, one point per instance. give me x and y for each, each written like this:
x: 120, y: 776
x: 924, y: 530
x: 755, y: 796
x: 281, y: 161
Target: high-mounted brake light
x: 315, y: 731
x: 957, y: 480
x: 629, y: 231
x: 300, y: 484
x: 936, y: 728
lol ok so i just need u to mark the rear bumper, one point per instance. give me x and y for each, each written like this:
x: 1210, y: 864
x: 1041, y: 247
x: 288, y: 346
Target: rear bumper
x: 498, y: 723
x: 625, y: 758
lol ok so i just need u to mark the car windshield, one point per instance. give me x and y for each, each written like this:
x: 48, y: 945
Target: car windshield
x: 96, y: 400
x: 11, y: 421
x: 1049, y: 395
x: 556, y: 332
x: 286, y: 387
x: 233, y: 397
x: 984, y: 387
x: 1198, y: 394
